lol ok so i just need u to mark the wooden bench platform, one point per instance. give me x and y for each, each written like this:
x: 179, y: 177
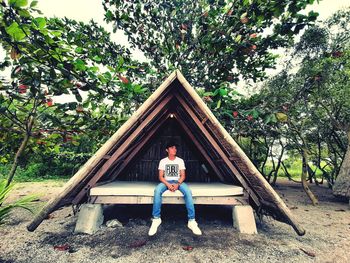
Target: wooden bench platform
x: 121, y: 192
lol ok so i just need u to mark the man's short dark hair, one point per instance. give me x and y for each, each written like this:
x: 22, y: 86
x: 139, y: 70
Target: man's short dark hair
x: 170, y: 144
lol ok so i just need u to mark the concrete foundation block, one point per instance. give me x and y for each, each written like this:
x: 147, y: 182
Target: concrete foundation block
x: 90, y: 218
x: 243, y: 219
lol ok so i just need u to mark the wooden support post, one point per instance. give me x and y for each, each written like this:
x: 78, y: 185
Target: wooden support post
x: 243, y: 219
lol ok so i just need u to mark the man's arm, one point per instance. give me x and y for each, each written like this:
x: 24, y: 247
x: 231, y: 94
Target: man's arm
x: 162, y: 179
x: 182, y: 178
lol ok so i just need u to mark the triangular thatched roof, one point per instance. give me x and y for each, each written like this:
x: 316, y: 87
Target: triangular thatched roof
x: 175, y: 98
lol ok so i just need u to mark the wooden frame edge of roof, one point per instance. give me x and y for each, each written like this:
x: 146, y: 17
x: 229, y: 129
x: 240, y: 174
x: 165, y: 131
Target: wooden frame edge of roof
x: 262, y: 195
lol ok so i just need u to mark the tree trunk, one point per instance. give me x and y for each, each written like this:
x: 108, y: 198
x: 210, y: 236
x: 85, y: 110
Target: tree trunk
x: 278, y: 165
x: 290, y: 178
x: 304, y: 177
x: 20, y: 151
x: 342, y: 183
x: 273, y: 164
x: 266, y: 156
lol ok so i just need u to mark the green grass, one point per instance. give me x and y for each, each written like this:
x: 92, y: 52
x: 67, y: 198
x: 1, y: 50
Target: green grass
x: 20, y: 179
x: 32, y: 173
x: 294, y: 169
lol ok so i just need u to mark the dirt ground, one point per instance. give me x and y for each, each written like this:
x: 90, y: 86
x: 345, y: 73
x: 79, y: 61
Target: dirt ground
x: 327, y: 238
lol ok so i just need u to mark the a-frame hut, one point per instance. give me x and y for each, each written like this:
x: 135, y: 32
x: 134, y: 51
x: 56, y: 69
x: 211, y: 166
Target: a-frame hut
x: 174, y: 110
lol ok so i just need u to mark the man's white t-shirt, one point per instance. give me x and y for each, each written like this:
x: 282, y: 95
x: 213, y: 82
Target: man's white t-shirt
x: 171, y: 168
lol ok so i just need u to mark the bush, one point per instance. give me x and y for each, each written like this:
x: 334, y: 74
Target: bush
x: 38, y: 171
x: 5, y: 209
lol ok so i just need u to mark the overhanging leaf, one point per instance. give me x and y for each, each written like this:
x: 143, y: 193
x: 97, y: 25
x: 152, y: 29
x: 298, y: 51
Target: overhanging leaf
x: 18, y: 3
x: 282, y: 117
x: 33, y: 4
x: 15, y: 32
x: 40, y: 22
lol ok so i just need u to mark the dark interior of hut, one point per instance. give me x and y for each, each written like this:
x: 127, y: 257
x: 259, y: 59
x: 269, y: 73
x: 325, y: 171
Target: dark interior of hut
x: 145, y: 165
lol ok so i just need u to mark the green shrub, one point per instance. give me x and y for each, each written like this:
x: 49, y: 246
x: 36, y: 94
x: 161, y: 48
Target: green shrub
x: 34, y: 172
x: 6, y: 208
x: 294, y: 167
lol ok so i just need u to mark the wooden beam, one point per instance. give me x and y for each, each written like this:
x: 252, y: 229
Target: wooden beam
x: 235, y: 158
x: 200, y: 148
x: 216, y: 146
x: 199, y: 200
x: 121, y: 149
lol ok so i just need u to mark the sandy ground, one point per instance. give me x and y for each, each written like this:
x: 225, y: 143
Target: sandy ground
x: 327, y: 238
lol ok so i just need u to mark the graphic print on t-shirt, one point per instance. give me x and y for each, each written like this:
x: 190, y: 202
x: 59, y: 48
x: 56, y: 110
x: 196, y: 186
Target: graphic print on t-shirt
x: 172, y: 170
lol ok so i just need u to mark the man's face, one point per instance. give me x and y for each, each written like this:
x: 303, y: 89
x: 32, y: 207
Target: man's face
x: 172, y: 150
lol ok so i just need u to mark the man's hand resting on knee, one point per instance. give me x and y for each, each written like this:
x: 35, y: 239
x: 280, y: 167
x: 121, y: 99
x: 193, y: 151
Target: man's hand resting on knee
x: 172, y: 187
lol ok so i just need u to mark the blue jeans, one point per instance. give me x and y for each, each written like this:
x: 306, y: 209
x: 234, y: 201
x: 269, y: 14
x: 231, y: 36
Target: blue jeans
x: 184, y: 189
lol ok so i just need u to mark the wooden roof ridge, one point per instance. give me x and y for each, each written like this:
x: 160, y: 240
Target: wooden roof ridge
x: 264, y: 196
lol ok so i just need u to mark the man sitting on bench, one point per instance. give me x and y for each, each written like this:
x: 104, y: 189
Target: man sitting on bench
x: 172, y: 177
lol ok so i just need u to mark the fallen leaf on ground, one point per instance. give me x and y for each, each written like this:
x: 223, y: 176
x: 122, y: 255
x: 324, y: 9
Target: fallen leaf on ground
x: 294, y: 207
x: 309, y: 253
x: 138, y: 243
x: 50, y: 216
x: 62, y: 247
x: 187, y: 248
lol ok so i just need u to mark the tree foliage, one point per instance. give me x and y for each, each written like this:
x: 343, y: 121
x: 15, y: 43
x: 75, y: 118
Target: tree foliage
x: 54, y: 57
x: 310, y: 98
x: 211, y: 42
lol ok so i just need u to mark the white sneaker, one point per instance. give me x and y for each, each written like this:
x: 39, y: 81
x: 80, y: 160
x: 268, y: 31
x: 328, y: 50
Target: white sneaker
x: 192, y: 224
x: 155, y: 224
